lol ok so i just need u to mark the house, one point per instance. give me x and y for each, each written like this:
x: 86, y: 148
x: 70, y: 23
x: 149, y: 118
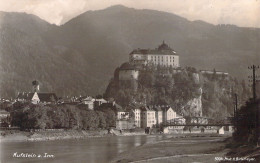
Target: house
x: 147, y: 117
x: 168, y: 114
x: 88, y: 101
x: 99, y: 102
x: 124, y: 121
x: 136, y: 110
x: 164, y: 55
x: 137, y: 113
x: 123, y: 115
x: 158, y: 115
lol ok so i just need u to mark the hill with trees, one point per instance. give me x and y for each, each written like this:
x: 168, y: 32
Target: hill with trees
x: 79, y: 57
x: 189, y: 92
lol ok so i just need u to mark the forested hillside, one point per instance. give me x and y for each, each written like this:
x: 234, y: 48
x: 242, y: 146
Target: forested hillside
x: 189, y: 92
x: 78, y: 58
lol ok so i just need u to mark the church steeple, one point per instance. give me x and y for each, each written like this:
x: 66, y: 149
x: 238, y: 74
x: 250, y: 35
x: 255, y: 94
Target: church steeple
x: 36, y: 86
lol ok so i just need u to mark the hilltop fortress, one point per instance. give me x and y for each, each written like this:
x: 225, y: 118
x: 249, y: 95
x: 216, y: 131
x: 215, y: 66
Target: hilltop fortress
x: 163, y: 56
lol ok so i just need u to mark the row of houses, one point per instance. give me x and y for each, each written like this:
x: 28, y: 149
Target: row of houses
x: 148, y: 116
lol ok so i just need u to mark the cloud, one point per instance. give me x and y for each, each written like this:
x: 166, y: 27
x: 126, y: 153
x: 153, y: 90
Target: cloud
x: 239, y: 12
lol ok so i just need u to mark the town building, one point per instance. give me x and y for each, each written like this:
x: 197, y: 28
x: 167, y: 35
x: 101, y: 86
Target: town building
x: 147, y: 117
x: 35, y: 97
x: 164, y: 55
x: 210, y: 72
x: 99, y: 102
x: 168, y: 114
x: 88, y: 101
x: 158, y: 115
x: 137, y: 117
x: 124, y: 121
x: 151, y: 116
x: 122, y: 115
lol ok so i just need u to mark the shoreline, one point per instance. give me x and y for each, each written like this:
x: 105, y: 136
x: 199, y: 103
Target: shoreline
x: 26, y: 136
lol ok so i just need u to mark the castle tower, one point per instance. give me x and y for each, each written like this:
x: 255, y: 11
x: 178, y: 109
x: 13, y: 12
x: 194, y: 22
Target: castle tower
x: 36, y: 87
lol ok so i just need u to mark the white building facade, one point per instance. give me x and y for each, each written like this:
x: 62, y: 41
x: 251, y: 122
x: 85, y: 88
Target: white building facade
x: 163, y: 56
x: 168, y: 114
x: 148, y: 118
x: 137, y: 117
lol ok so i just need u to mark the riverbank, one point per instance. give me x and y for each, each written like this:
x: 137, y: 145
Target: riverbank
x: 188, y: 148
x: 15, y: 135
x: 242, y: 151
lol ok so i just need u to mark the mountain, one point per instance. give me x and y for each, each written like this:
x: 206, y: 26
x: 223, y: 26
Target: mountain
x: 79, y: 57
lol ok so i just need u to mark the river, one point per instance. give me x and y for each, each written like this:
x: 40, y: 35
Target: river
x: 91, y: 150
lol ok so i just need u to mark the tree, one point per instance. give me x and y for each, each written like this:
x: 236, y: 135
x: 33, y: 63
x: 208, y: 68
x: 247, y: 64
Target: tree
x: 245, y: 122
x: 102, y: 119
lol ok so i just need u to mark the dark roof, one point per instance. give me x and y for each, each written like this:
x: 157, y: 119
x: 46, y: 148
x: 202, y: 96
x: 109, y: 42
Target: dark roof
x: 164, y: 46
x: 47, y: 97
x: 25, y: 96
x: 44, y: 97
x: 146, y: 108
x: 157, y: 108
x: 166, y: 108
x: 85, y: 98
x: 163, y: 49
x: 113, y: 105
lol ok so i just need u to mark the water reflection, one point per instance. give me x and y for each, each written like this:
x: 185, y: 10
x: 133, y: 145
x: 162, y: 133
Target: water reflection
x: 137, y: 141
x: 86, y: 150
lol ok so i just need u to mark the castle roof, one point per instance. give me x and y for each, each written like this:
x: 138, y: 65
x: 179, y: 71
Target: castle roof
x: 164, y: 46
x: 162, y: 49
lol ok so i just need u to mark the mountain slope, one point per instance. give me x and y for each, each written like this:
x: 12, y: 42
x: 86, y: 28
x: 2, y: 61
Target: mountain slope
x: 79, y: 57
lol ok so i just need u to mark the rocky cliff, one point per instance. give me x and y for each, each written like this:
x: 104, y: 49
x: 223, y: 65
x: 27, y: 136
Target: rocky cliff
x: 189, y: 92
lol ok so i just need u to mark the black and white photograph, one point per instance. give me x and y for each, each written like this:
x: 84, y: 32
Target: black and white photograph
x: 139, y: 81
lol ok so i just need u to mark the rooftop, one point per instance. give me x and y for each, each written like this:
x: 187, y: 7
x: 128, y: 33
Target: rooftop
x: 163, y: 49
x: 47, y: 97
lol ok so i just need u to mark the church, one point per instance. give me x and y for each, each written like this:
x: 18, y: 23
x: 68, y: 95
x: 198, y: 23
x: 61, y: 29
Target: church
x: 35, y: 97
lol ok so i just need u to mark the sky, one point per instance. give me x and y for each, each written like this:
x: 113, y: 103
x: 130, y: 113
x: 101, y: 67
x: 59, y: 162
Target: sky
x: 244, y: 13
